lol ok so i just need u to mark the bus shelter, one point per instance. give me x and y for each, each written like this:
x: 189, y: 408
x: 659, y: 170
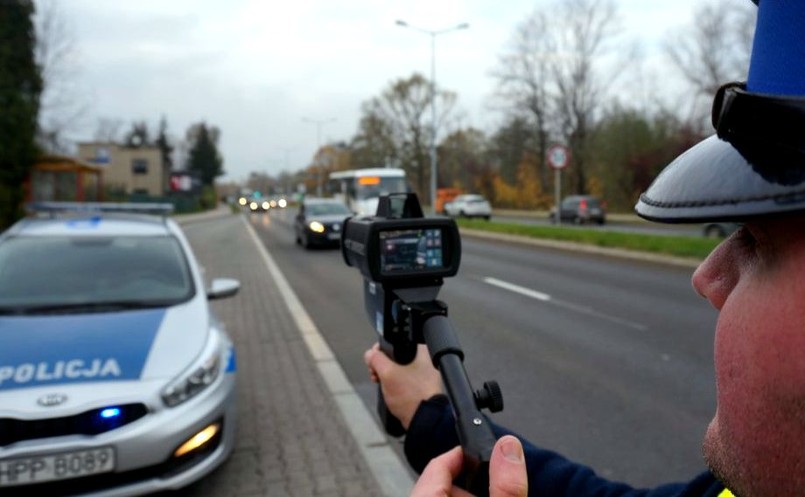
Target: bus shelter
x: 64, y: 178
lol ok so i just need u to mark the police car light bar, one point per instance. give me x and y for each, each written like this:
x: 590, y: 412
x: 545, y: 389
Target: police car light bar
x: 97, y: 207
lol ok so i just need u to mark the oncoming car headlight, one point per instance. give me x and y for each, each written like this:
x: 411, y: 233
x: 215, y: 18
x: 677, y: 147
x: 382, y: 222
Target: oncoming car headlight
x: 316, y: 227
x: 200, y: 375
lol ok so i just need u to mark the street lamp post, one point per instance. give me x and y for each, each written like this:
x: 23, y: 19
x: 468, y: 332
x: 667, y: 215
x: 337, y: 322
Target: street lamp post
x: 433, y: 34
x: 319, y: 123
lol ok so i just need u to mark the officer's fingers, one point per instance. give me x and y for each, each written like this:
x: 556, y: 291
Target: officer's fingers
x: 379, y: 363
x: 507, y: 470
x: 369, y: 352
x: 367, y: 359
x: 437, y: 478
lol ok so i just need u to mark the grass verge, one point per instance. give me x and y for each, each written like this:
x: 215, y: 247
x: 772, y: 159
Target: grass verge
x: 678, y: 246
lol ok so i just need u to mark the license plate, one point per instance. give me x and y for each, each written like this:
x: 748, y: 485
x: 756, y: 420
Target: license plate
x: 333, y: 236
x: 38, y: 469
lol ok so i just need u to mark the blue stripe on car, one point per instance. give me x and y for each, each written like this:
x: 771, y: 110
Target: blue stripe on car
x: 72, y: 349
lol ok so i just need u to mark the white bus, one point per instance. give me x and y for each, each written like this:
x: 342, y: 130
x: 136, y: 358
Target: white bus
x: 361, y: 188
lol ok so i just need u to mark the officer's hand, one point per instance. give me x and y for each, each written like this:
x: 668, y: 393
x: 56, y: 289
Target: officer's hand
x: 404, y: 387
x: 507, y: 472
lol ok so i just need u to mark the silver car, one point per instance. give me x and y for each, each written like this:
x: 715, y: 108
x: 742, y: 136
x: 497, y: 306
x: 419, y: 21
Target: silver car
x: 468, y: 205
x: 115, y: 377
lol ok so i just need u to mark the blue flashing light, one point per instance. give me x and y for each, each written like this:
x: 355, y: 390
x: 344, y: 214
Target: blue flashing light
x: 89, y: 223
x: 110, y: 412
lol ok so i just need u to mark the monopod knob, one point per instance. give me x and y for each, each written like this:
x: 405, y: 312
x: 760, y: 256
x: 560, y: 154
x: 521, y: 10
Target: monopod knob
x: 490, y: 397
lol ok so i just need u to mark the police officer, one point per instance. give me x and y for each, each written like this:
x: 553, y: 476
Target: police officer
x: 752, y: 171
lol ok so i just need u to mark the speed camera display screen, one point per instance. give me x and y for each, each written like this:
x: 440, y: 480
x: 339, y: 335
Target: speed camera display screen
x: 411, y: 250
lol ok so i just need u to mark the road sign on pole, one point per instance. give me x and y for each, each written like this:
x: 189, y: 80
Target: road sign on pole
x: 558, y: 156
x: 558, y: 159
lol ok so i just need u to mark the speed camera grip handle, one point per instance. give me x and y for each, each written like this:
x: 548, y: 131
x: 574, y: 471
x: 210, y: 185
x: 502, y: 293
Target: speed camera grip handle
x: 391, y: 424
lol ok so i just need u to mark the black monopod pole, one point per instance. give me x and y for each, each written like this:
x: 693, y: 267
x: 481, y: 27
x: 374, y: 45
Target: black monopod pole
x: 474, y: 430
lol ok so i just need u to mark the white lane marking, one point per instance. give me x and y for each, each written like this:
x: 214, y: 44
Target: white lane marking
x: 518, y: 289
x: 544, y: 297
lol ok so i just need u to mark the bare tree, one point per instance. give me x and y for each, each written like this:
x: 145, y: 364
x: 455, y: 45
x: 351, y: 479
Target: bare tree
x: 62, y: 102
x: 462, y: 159
x: 405, y: 106
x: 713, y: 50
x: 107, y: 130
x: 138, y: 136
x: 552, y: 70
x: 523, y: 76
x: 373, y: 145
x: 584, y: 28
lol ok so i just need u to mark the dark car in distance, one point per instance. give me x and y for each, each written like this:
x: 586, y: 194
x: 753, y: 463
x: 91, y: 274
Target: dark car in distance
x: 580, y: 209
x: 320, y: 221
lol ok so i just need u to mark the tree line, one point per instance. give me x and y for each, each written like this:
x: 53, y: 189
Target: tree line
x: 556, y: 82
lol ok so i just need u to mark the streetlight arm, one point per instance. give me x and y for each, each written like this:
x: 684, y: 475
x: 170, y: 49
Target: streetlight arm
x: 432, y: 32
x: 463, y: 25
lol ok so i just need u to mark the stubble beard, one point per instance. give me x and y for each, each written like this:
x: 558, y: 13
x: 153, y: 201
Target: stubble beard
x: 720, y: 459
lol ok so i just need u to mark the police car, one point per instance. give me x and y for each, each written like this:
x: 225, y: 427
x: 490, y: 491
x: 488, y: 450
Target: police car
x: 115, y: 376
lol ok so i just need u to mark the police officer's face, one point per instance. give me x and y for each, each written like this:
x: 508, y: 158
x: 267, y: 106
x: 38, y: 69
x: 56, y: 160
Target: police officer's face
x: 756, y: 279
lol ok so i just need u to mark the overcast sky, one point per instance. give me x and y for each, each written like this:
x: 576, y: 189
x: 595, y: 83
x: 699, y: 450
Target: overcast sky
x: 261, y: 70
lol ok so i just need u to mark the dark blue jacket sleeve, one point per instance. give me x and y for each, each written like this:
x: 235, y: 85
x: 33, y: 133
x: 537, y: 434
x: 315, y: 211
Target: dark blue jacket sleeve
x: 432, y: 432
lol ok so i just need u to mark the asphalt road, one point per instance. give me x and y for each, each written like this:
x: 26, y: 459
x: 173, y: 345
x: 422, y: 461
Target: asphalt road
x: 608, y: 361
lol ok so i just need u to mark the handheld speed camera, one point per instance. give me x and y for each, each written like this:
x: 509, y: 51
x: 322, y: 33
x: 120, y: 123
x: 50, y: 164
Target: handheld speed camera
x: 398, y: 246
x: 404, y: 257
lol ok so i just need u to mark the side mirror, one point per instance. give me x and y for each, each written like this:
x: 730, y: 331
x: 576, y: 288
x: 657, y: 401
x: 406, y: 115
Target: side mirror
x: 222, y: 288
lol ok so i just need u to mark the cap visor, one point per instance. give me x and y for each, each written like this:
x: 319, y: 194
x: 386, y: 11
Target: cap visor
x: 712, y: 181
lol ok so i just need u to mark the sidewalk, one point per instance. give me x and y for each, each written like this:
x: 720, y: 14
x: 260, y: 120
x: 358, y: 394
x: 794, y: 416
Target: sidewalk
x: 302, y: 429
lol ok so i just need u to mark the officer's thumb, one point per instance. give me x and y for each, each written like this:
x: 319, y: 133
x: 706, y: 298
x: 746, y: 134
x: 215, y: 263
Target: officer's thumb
x: 507, y: 470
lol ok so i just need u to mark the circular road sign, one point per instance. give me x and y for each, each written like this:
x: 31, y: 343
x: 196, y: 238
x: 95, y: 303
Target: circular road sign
x: 558, y: 156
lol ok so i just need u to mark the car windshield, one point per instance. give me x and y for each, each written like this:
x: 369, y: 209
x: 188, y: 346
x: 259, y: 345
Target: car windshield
x: 56, y: 274
x: 327, y: 209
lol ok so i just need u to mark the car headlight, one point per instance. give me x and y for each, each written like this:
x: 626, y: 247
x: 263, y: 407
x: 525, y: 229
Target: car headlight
x: 199, y: 376
x: 316, y: 227
x: 282, y: 203
x: 253, y: 206
x: 266, y: 206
